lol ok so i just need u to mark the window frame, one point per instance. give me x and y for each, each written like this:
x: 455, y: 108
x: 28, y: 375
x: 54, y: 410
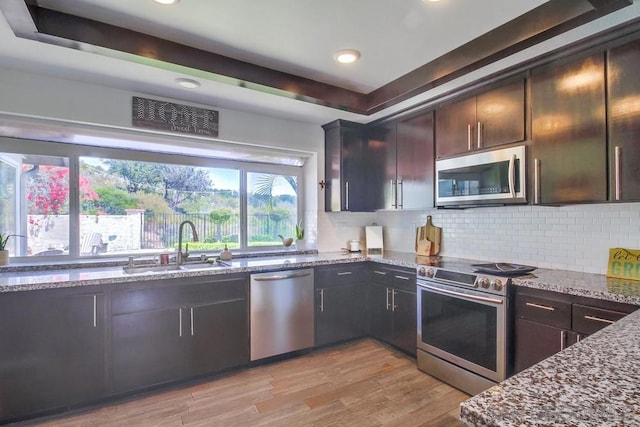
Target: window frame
x: 75, y: 151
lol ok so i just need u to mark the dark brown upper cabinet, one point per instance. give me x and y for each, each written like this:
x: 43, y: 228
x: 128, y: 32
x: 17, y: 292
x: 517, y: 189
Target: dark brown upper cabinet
x: 624, y: 122
x: 346, y: 168
x: 491, y: 118
x: 569, y: 141
x: 406, y: 148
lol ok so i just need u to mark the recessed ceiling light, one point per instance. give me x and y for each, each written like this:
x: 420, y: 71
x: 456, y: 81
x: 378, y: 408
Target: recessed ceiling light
x: 167, y: 2
x: 347, y: 56
x: 188, y: 83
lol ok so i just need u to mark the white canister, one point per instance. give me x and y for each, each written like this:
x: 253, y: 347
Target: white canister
x: 354, y: 245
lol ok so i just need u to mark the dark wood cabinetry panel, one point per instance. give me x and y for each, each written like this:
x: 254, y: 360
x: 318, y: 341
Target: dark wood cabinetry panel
x: 415, y: 161
x: 535, y: 342
x: 569, y: 146
x: 346, y: 168
x: 547, y: 322
x: 52, y: 350
x: 501, y: 115
x: 454, y: 128
x: 218, y: 336
x: 624, y: 121
x: 403, y: 151
x: 392, y: 307
x: 147, y: 348
x: 166, y: 332
x: 405, y: 320
x: 339, y: 297
x: 380, y: 316
x: 492, y: 118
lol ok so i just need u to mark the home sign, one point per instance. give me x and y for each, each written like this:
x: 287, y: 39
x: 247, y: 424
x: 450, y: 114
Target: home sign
x: 167, y: 116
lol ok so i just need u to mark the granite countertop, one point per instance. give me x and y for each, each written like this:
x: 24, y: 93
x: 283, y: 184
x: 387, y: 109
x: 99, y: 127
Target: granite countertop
x: 64, y: 276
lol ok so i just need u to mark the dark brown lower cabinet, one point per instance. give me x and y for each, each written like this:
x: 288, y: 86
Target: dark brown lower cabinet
x: 547, y: 322
x: 52, y: 350
x: 339, y: 308
x: 392, y: 307
x: 537, y: 341
x: 169, y: 332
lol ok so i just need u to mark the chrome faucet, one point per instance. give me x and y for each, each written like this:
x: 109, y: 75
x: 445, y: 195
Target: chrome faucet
x: 185, y: 255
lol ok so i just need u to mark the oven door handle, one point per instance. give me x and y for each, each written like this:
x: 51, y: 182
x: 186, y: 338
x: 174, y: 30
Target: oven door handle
x: 460, y: 294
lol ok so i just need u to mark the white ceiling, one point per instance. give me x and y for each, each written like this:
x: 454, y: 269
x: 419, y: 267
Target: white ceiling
x: 294, y: 36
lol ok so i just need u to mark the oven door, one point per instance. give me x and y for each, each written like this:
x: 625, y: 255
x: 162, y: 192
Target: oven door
x: 464, y: 327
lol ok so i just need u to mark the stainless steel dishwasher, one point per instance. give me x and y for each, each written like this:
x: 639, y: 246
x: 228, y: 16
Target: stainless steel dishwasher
x: 282, y: 307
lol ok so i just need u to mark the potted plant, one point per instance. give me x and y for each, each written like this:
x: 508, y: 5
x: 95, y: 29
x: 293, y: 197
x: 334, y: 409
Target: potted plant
x: 4, y: 253
x: 300, y: 236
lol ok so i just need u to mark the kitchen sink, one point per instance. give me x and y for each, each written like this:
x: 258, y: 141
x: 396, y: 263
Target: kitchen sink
x: 205, y: 265
x: 137, y: 269
x: 155, y: 268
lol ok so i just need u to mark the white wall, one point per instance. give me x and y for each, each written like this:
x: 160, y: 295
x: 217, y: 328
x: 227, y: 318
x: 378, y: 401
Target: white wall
x: 574, y: 237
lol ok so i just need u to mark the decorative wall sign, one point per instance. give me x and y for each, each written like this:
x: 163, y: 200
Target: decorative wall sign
x: 162, y: 115
x: 624, y: 263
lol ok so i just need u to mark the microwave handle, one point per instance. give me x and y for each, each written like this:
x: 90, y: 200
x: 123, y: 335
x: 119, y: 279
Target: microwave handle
x: 512, y: 176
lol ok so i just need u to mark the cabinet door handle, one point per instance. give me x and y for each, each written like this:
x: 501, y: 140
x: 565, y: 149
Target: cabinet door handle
x: 346, y: 195
x: 95, y: 311
x: 344, y: 273
x: 180, y: 321
x: 321, y: 300
x: 563, y: 338
x: 469, y: 137
x: 541, y: 307
x: 382, y: 273
x: 400, y: 203
x: 387, y: 298
x: 394, y: 201
x: 393, y: 300
x: 536, y: 181
x: 402, y: 277
x: 599, y: 319
x: 618, y: 154
x: 479, y: 135
x: 192, y: 331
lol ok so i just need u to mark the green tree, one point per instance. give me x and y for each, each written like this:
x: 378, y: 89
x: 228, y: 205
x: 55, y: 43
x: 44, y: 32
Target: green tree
x: 175, y: 183
x: 114, y: 201
x: 219, y: 217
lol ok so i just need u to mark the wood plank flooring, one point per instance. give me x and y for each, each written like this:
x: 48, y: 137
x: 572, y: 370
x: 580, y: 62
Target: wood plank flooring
x: 362, y: 383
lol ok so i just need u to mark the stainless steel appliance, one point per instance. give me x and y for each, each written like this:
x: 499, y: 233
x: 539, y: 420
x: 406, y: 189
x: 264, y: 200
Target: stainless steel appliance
x: 489, y: 177
x: 282, y: 307
x: 462, y: 325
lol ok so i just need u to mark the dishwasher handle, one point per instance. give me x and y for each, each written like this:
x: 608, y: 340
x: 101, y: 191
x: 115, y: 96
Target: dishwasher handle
x: 281, y: 276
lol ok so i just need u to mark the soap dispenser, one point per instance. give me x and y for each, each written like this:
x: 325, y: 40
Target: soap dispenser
x: 225, y: 255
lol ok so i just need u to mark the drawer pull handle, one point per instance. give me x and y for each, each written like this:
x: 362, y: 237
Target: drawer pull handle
x: 344, y: 273
x: 541, y: 307
x: 382, y: 273
x: 403, y: 277
x: 599, y: 319
x: 563, y: 339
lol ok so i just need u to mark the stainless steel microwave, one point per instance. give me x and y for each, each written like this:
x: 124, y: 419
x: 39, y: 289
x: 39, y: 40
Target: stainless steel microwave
x: 494, y: 177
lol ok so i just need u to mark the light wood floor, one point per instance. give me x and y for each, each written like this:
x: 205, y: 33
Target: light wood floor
x: 358, y: 384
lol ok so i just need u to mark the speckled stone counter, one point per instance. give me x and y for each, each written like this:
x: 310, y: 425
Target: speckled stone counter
x: 42, y: 278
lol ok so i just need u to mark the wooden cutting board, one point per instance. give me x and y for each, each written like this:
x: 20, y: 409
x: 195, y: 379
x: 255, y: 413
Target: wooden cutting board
x: 423, y: 245
x: 434, y: 235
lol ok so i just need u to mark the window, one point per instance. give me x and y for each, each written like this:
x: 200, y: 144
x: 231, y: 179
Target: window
x: 93, y: 202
